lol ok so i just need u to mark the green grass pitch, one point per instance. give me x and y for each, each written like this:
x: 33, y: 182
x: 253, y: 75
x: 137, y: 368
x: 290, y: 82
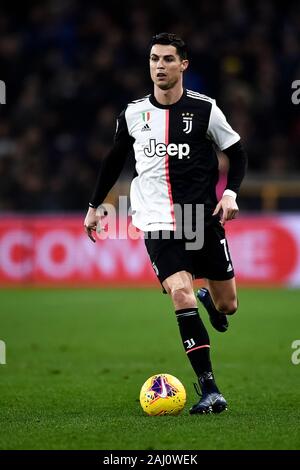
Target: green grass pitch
x: 76, y: 360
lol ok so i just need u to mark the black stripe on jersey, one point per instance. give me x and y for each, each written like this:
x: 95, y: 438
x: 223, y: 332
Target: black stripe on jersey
x: 193, y: 178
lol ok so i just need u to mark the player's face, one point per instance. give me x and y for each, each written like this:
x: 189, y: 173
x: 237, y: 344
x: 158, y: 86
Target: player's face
x: 166, y: 66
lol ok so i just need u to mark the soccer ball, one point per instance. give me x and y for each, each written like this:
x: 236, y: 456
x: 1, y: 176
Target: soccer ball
x: 162, y: 394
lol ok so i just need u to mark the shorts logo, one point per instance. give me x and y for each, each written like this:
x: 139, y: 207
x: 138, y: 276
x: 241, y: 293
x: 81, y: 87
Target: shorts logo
x: 187, y: 119
x: 229, y: 269
x: 161, y: 150
x: 155, y: 268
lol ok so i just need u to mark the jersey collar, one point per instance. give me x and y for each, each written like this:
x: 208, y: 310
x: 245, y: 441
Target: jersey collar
x: 155, y: 103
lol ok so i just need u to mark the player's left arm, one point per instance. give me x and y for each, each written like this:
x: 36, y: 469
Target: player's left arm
x: 220, y: 131
x: 238, y: 162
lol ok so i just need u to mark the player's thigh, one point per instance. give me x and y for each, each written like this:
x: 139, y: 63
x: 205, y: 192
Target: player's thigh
x: 168, y: 257
x: 180, y: 287
x: 224, y: 295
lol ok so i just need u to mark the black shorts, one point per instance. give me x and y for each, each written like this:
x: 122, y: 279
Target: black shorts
x: 212, y: 261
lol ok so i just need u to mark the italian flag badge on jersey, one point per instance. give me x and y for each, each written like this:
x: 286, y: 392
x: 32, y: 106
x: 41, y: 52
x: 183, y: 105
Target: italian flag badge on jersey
x: 146, y: 116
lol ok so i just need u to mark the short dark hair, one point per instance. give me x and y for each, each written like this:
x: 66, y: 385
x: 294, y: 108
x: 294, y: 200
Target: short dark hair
x: 170, y: 39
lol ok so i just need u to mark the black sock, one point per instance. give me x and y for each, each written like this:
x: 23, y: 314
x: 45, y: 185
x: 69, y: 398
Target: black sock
x: 195, y: 339
x: 207, y: 383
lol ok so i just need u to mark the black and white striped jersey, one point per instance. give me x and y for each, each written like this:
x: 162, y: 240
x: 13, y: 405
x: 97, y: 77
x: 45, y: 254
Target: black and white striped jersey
x: 175, y: 158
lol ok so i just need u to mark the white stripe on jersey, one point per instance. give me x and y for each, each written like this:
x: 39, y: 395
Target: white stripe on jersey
x: 219, y: 130
x: 139, y: 101
x: 199, y: 96
x: 150, y: 192
x: 192, y: 92
x: 196, y: 97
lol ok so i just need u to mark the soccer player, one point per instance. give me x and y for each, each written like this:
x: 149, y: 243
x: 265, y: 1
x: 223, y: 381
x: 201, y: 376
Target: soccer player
x: 174, y: 132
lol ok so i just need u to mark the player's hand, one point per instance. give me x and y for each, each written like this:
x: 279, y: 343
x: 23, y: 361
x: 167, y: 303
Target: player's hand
x: 90, y: 222
x: 228, y: 209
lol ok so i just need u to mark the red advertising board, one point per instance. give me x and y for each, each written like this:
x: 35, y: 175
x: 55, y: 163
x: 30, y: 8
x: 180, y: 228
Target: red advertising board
x: 55, y: 250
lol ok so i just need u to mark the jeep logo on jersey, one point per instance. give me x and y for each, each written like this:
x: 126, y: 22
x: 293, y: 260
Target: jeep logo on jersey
x: 188, y: 122
x: 161, y: 150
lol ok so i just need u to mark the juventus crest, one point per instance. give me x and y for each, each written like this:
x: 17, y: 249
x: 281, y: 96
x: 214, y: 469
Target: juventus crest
x: 187, y: 119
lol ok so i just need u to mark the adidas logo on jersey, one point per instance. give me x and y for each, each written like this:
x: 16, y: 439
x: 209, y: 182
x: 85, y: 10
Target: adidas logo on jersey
x: 146, y: 128
x: 161, y: 150
x: 230, y: 268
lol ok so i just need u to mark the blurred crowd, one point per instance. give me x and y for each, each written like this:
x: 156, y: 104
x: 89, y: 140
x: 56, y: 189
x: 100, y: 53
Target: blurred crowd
x: 70, y: 67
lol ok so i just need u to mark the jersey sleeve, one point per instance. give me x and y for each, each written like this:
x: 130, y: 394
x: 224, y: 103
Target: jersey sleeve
x: 113, y: 163
x: 121, y: 133
x: 219, y: 130
x: 237, y: 166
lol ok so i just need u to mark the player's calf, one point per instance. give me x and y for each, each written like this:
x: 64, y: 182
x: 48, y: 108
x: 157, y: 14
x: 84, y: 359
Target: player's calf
x: 217, y: 319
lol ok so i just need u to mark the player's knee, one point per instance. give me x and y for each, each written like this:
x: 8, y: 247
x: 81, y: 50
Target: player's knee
x: 182, y: 297
x: 229, y: 307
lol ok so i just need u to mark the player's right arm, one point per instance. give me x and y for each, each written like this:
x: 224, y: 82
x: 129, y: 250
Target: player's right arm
x: 90, y: 222
x: 108, y: 174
